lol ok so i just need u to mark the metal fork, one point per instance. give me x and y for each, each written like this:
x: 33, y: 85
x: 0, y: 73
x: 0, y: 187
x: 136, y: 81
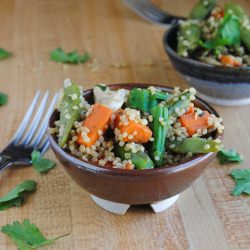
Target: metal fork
x: 31, y: 134
x: 152, y: 13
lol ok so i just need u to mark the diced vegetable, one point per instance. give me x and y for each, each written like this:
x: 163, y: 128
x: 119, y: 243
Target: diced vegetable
x: 195, y: 145
x: 229, y: 60
x: 3, y: 99
x: 140, y: 159
x: 192, y: 122
x: 131, y: 130
x: 113, y: 99
x: 96, y: 124
x: 160, y: 130
x: 202, y: 9
x: 188, y: 38
x: 69, y: 111
x: 144, y: 99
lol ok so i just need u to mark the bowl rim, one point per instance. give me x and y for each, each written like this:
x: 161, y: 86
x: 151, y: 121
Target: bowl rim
x: 173, y: 168
x: 196, y: 63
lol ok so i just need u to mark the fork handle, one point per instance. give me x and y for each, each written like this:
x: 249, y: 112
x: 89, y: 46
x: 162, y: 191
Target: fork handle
x: 4, y: 162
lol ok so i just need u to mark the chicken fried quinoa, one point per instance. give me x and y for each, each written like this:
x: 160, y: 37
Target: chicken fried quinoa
x: 141, y: 128
x: 216, y: 35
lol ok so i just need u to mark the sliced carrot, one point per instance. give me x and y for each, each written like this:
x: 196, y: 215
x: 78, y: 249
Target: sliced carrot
x: 229, y: 60
x: 98, y: 120
x: 129, y: 166
x: 193, y: 123
x: 133, y: 131
x: 190, y: 110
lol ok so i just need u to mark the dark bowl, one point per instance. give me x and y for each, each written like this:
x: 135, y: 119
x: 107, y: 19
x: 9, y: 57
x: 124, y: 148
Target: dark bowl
x: 132, y: 186
x: 216, y: 84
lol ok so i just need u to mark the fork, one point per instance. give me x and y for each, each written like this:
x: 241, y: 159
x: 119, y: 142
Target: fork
x: 152, y: 13
x: 31, y: 134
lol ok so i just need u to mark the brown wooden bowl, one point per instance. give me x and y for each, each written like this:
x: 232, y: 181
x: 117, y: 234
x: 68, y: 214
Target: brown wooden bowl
x: 132, y: 186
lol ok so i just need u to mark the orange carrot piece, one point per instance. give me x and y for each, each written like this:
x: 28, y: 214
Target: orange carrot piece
x: 97, y: 121
x: 229, y: 60
x: 136, y: 132
x: 192, y: 124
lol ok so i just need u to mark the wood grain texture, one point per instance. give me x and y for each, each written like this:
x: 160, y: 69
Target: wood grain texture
x: 205, y: 216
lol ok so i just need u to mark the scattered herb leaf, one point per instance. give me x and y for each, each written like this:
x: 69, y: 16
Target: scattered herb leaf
x: 229, y: 156
x: 4, y: 53
x: 27, y: 236
x: 242, y: 181
x: 3, y: 99
x: 41, y: 165
x: 59, y: 55
x: 228, y: 33
x: 15, y: 197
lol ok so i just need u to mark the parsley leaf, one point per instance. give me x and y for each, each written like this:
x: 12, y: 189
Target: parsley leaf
x: 41, y: 165
x: 73, y: 57
x: 15, y: 197
x: 3, y: 99
x: 228, y: 33
x: 27, y: 236
x: 242, y: 181
x: 229, y: 156
x: 4, y: 54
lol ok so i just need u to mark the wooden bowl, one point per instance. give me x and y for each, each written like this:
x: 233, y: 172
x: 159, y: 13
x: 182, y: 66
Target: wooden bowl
x: 132, y: 186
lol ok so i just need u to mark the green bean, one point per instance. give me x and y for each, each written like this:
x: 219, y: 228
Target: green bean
x: 144, y: 99
x: 180, y: 102
x: 245, y: 35
x: 160, y: 130
x: 236, y: 9
x: 195, y: 145
x: 188, y: 37
x: 140, y: 159
x: 202, y: 9
x: 69, y: 112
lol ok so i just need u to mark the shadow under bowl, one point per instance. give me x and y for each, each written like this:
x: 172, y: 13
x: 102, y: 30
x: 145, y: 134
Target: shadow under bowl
x: 220, y: 85
x: 132, y: 187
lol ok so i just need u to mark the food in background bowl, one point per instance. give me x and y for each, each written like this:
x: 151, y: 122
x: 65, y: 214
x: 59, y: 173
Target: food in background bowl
x: 216, y: 35
x: 139, y: 128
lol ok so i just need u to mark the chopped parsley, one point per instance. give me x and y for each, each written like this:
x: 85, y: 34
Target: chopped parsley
x: 4, y: 53
x: 41, y: 165
x: 3, y: 99
x: 229, y: 156
x: 15, y: 197
x: 27, y: 236
x: 59, y: 55
x: 242, y: 181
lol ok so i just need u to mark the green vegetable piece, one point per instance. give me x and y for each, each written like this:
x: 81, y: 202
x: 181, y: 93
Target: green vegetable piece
x: 144, y: 99
x: 160, y: 129
x: 202, y: 9
x: 245, y: 35
x: 229, y: 156
x: 27, y: 236
x: 228, y: 33
x: 4, y: 53
x: 15, y: 196
x: 188, y: 37
x: 242, y: 181
x: 236, y: 9
x: 180, y: 102
x: 68, y: 112
x: 59, y: 55
x: 3, y: 99
x: 195, y: 145
x: 41, y: 165
x: 140, y: 159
